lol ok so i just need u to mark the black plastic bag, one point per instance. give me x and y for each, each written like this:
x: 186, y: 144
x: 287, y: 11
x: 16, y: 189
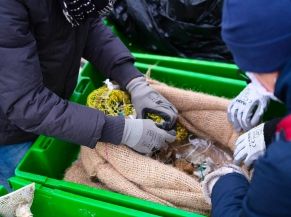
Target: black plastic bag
x: 173, y: 27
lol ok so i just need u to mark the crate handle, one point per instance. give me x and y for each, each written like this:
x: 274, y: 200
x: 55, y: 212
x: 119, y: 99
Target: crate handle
x: 46, y: 144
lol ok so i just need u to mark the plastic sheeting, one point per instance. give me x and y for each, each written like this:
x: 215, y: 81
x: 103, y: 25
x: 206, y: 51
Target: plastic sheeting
x: 197, y: 157
x: 187, y: 28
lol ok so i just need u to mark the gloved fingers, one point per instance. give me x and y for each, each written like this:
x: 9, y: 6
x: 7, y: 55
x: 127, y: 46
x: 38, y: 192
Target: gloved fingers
x: 257, y: 115
x: 239, y: 147
x: 229, y: 111
x: 160, y: 102
x: 169, y: 106
x: 248, y: 115
x: 240, y: 139
x: 166, y: 137
x: 170, y: 136
x: 166, y: 103
x: 246, y: 120
x: 139, y: 114
x: 172, y: 132
x: 239, y: 157
x: 239, y: 116
x: 168, y: 116
x: 249, y: 161
x: 144, y: 149
x: 234, y: 120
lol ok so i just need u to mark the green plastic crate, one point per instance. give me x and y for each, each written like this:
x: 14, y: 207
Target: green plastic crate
x: 226, y: 70
x: 216, y: 85
x: 2, y: 190
x: 50, y: 202
x: 47, y: 160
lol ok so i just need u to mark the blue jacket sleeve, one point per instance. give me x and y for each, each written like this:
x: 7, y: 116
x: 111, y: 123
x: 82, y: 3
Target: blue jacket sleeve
x: 109, y: 55
x: 228, y: 194
x: 269, y: 192
x: 24, y: 99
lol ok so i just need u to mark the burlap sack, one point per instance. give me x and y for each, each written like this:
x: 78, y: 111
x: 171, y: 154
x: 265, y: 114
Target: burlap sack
x: 76, y: 173
x: 202, y: 114
x: 122, y: 170
x: 114, y: 180
x: 125, y: 171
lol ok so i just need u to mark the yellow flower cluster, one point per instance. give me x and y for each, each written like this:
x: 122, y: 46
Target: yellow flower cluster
x: 117, y: 102
x: 111, y: 102
x: 181, y: 132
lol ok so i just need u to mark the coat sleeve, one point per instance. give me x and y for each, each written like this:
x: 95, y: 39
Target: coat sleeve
x: 269, y: 192
x: 228, y: 194
x: 24, y: 99
x: 109, y: 55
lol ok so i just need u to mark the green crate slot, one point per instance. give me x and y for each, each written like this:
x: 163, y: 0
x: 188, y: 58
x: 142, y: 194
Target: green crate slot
x: 55, y: 203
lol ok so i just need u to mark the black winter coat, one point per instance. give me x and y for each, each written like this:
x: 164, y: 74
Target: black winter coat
x: 39, y: 63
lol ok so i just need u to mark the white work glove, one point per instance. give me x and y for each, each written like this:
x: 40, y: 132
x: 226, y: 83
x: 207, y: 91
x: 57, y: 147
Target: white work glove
x: 211, y: 179
x: 144, y: 136
x: 146, y: 100
x: 250, y: 146
x: 246, y: 110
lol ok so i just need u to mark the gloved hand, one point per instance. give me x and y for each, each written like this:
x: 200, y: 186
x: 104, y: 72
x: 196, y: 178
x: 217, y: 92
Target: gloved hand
x: 245, y: 111
x: 211, y: 179
x: 250, y: 146
x: 144, y: 136
x: 147, y: 100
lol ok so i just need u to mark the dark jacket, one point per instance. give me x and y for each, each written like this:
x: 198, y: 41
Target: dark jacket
x: 39, y: 63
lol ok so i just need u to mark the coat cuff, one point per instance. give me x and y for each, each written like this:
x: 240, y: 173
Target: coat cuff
x: 124, y: 73
x: 113, y: 130
x: 228, y: 187
x: 270, y: 130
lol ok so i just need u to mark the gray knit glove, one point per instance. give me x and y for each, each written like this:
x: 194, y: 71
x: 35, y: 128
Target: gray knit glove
x: 144, y: 136
x: 146, y: 100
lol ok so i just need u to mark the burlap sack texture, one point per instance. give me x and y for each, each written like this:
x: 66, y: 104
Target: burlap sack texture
x: 202, y: 114
x: 120, y: 169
